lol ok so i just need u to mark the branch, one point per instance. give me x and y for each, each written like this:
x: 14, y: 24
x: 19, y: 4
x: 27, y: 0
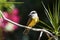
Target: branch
x: 40, y: 35
x: 34, y: 29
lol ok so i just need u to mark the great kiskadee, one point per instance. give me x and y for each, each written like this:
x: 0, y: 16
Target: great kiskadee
x: 32, y: 21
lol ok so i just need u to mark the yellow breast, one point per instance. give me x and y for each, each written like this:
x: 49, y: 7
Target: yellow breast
x: 33, y: 23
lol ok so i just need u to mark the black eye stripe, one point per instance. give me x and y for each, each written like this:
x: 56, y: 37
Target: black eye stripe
x: 33, y: 13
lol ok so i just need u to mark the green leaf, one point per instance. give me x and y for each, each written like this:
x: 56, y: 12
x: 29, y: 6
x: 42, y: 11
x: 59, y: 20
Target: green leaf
x: 3, y: 1
x: 12, y: 2
x: 56, y: 16
x: 52, y: 18
x: 0, y: 15
x: 49, y: 15
x: 56, y: 13
x: 45, y: 24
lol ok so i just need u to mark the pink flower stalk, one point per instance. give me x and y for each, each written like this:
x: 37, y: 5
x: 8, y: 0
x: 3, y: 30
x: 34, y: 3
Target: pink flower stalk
x: 12, y: 16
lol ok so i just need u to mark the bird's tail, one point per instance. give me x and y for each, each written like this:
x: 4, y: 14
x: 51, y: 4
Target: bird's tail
x: 26, y: 31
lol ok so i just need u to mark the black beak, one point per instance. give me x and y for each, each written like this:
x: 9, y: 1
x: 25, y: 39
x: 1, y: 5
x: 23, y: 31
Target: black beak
x: 29, y: 15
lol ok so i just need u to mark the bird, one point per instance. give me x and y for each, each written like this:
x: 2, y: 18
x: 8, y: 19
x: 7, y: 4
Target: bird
x: 32, y: 21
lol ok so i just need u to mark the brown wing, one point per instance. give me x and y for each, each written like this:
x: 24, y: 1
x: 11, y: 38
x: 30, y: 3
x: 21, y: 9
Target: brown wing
x: 26, y: 31
x: 29, y: 20
x: 32, y: 23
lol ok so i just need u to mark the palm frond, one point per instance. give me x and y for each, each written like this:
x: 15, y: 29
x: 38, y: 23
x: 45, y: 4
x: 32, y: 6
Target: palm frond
x: 49, y: 15
x: 53, y: 18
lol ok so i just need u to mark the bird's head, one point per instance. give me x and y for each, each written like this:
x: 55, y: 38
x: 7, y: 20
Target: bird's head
x: 33, y: 13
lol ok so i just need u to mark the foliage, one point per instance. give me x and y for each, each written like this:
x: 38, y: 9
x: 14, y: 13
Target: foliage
x: 9, y: 5
x: 53, y: 18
